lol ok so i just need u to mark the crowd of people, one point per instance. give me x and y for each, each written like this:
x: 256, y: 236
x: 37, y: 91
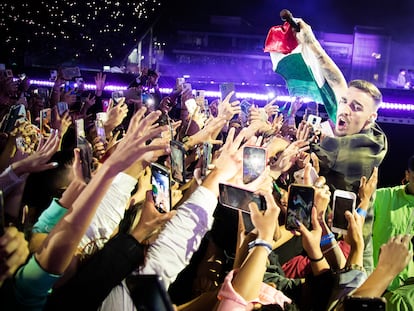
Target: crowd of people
x: 81, y: 223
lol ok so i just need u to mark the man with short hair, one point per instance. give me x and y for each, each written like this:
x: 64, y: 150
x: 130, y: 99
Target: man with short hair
x: 358, y: 144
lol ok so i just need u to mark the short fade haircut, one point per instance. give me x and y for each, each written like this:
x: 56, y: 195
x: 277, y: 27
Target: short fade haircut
x: 410, y: 164
x: 368, y: 88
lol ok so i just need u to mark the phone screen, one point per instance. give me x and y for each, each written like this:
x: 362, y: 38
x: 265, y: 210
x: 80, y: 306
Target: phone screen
x: 207, y: 156
x: 300, y: 203
x: 62, y: 107
x: 343, y: 201
x: 85, y: 150
x: 225, y: 89
x: 161, y: 187
x: 254, y: 162
x: 239, y: 198
x: 177, y: 161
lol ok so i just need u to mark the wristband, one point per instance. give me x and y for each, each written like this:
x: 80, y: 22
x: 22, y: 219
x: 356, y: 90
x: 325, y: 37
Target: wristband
x: 316, y: 260
x: 361, y: 212
x: 260, y: 242
x: 327, y: 239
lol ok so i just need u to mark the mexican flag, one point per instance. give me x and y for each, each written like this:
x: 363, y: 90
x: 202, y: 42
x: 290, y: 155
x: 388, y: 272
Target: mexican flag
x: 299, y: 67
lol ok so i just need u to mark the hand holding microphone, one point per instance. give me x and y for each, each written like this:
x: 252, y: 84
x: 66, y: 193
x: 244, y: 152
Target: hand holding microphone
x: 285, y: 15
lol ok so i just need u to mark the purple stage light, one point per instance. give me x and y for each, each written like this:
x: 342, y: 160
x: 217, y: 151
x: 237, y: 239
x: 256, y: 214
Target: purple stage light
x: 241, y: 95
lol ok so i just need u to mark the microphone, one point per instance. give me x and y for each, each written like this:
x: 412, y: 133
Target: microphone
x: 285, y: 15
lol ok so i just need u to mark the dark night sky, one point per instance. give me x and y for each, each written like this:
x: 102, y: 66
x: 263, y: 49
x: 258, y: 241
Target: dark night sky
x: 323, y: 15
x: 72, y: 22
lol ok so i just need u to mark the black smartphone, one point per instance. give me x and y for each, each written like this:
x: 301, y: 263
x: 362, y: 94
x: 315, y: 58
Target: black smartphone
x: 239, y: 198
x: 254, y: 162
x: 2, y: 224
x: 178, y: 171
x: 225, y: 89
x: 16, y: 112
x: 161, y: 187
x: 149, y: 293
x: 353, y: 303
x: 342, y: 201
x: 85, y: 150
x: 300, y: 203
x: 207, y: 157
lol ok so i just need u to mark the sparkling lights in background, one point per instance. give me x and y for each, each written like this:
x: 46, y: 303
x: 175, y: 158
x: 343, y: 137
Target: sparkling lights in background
x: 103, y: 30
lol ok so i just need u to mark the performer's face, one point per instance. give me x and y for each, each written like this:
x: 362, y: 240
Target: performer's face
x: 356, y: 112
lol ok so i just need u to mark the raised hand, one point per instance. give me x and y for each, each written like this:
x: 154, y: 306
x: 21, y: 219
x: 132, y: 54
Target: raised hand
x: 227, y: 110
x: 100, y: 83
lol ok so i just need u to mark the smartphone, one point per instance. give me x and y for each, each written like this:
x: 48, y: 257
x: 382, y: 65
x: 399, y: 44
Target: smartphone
x: 45, y: 119
x: 69, y: 73
x: 354, y: 303
x: 62, y: 107
x: 179, y: 82
x: 2, y: 223
x: 116, y: 96
x: 239, y: 198
x: 70, y: 86
x: 299, y: 176
x: 326, y: 129
x: 207, y: 157
x: 314, y: 120
x: 200, y: 97
x: 148, y: 292
x: 191, y: 105
x: 254, y: 162
x: 53, y: 75
x: 161, y: 187
x: 300, y: 203
x: 85, y: 150
x: 177, y: 161
x: 16, y: 112
x: 342, y: 201
x: 225, y: 89
x: 100, y: 130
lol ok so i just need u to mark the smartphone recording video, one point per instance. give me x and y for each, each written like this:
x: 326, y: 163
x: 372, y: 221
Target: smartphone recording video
x: 238, y: 198
x: 225, y: 89
x: 207, y: 158
x: 62, y: 107
x: 342, y: 201
x: 299, y: 208
x: 161, y: 187
x: 85, y: 150
x: 254, y: 162
x: 177, y: 157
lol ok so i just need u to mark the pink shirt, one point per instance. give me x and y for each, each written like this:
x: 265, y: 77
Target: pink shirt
x: 231, y: 300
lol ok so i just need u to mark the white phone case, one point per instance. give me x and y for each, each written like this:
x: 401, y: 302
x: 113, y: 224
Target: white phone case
x: 342, y: 201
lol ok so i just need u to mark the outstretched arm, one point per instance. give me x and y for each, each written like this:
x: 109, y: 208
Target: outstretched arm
x: 331, y: 71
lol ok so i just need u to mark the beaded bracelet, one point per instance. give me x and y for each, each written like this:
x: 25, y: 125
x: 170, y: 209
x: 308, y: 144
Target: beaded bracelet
x: 361, y: 212
x: 260, y: 242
